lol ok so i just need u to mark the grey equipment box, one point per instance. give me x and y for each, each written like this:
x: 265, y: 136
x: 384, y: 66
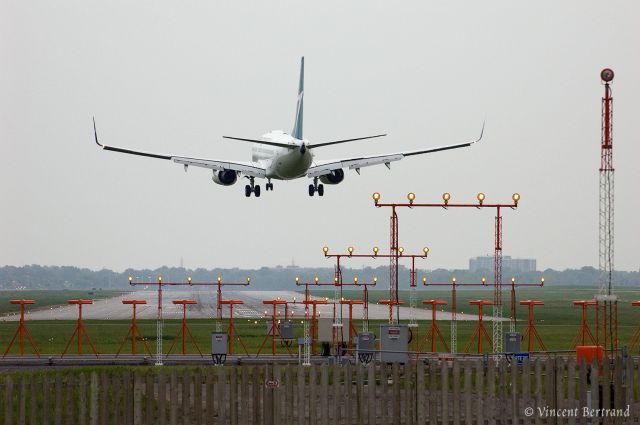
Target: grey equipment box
x: 325, y: 329
x: 394, y: 343
x: 286, y: 330
x: 219, y: 347
x: 364, y: 343
x: 512, y: 342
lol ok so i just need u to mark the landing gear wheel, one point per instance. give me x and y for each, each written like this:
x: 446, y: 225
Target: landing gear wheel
x: 247, y: 191
x: 320, y: 190
x: 312, y: 190
x: 256, y: 190
x: 268, y: 186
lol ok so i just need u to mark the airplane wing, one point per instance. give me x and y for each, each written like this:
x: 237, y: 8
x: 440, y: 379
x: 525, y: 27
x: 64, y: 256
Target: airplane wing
x: 327, y: 167
x: 245, y: 168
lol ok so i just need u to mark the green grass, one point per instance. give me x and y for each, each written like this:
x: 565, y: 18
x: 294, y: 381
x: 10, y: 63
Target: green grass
x: 557, y: 322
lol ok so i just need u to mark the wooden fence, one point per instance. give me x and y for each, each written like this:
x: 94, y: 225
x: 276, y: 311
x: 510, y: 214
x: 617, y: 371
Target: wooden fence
x: 470, y: 391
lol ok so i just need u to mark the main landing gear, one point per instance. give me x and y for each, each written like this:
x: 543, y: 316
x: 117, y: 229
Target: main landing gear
x: 253, y: 188
x: 315, y: 187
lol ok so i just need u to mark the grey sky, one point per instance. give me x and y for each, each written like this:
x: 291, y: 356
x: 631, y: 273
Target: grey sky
x: 173, y: 77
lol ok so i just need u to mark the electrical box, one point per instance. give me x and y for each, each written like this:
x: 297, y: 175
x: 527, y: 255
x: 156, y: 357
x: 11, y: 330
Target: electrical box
x: 394, y: 343
x: 364, y: 343
x: 286, y: 330
x: 589, y: 353
x: 325, y: 329
x: 219, y: 343
x: 512, y: 342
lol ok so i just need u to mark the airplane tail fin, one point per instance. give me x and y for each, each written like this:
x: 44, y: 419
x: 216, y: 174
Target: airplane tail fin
x: 297, y: 125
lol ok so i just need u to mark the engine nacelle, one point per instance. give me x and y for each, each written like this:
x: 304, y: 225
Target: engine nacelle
x: 335, y: 177
x: 225, y: 177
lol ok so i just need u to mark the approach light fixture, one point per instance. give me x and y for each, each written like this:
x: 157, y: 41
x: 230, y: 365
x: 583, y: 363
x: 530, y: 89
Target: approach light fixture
x: 316, y: 279
x: 480, y: 198
x: 325, y: 249
x: 454, y: 280
x: 411, y: 197
x: 297, y: 280
x: 248, y: 280
x: 130, y: 279
x: 375, y: 280
x: 401, y: 250
x: 516, y: 198
x: 424, y: 280
x: 189, y: 280
x: 350, y: 249
x: 541, y: 281
x: 376, y: 197
x: 355, y: 280
x: 426, y: 251
x: 375, y: 250
x: 445, y: 197
x: 513, y: 280
x: 219, y: 279
x: 160, y: 279
x: 484, y: 280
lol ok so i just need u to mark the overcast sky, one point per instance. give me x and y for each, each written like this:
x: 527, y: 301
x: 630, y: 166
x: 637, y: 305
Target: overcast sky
x: 173, y: 77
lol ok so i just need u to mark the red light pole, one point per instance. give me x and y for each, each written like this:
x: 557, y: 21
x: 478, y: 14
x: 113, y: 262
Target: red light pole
x: 134, y: 330
x: 80, y: 330
x: 497, y: 298
x: 184, y: 329
x: 531, y: 326
x: 434, y: 333
x: 22, y: 330
x: 480, y: 331
x: 231, y: 303
x: 584, y: 330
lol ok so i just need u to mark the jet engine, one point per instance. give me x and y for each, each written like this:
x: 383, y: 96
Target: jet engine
x: 225, y: 177
x: 335, y: 177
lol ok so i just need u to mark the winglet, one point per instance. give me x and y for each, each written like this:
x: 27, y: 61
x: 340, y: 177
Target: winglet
x: 95, y: 133
x: 481, y: 133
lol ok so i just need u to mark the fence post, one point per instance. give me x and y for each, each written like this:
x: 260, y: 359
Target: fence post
x: 93, y: 403
x: 433, y: 392
x: 456, y: 391
x: 22, y: 401
x: 46, y: 391
x: 491, y: 370
x: 479, y: 391
x: 103, y: 413
x: 571, y: 387
x: 8, y: 401
x: 149, y: 397
x: 526, y: 389
x: 58, y: 408
x: 137, y: 398
x: 420, y: 393
x: 515, y: 406
x: 468, y: 416
x: 371, y: 393
x: 444, y: 378
x: 324, y: 394
x: 33, y: 415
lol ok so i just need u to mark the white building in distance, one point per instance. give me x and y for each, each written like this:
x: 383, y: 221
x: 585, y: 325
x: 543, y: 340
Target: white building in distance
x: 508, y: 263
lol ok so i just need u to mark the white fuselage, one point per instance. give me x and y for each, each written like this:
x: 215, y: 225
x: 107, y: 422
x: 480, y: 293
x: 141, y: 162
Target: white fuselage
x: 282, y: 163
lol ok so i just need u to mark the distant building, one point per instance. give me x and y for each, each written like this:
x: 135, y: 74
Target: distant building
x: 508, y: 263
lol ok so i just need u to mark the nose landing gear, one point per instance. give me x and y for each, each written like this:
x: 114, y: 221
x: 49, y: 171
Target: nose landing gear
x: 252, y: 188
x: 268, y: 186
x: 315, y: 187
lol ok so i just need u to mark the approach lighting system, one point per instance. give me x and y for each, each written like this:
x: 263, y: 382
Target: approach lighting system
x: 484, y: 280
x: 316, y: 279
x: 189, y: 280
x: 516, y: 198
x: 325, y: 249
x: 480, y: 198
x: 375, y: 280
x: 375, y: 250
x: 401, y: 250
x: 424, y: 280
x: 454, y: 280
x: 355, y: 280
x: 219, y: 279
x: 376, y: 197
x: 445, y: 197
x: 297, y: 280
x: 426, y: 251
x: 160, y: 279
x: 411, y: 197
x: 248, y: 280
x: 130, y: 279
x: 542, y: 281
x: 350, y: 249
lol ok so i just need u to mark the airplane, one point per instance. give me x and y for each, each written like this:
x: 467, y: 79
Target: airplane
x: 282, y: 156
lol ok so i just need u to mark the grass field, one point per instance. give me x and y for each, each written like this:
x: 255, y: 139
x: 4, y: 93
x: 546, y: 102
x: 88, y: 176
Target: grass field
x: 557, y: 322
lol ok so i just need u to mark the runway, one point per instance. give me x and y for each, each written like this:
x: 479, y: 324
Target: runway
x: 253, y: 308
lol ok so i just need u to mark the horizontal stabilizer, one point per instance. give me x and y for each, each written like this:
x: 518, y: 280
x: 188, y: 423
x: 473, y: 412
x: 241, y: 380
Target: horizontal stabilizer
x: 262, y: 142
x: 317, y: 145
